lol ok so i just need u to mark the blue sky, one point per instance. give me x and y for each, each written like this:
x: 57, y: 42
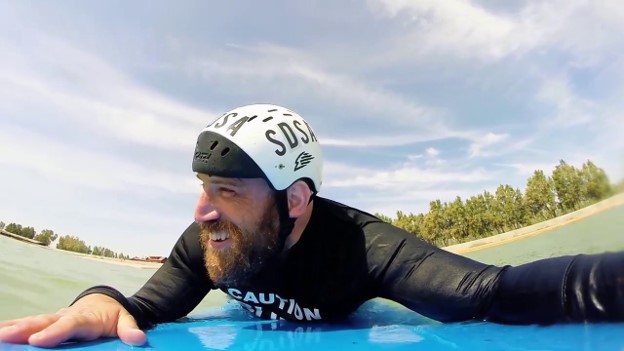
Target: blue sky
x: 101, y: 102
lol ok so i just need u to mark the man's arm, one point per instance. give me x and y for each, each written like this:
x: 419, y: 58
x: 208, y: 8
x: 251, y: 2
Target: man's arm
x: 569, y: 288
x: 448, y: 287
x: 173, y: 291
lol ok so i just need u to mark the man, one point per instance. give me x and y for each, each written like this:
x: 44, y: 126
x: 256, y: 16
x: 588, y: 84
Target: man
x: 262, y: 235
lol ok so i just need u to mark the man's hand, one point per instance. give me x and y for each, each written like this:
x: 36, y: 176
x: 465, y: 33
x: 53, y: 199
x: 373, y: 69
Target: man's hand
x: 93, y: 316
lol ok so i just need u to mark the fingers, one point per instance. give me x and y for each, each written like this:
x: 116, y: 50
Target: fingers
x: 8, y: 323
x: 128, y: 331
x: 88, y: 327
x: 4, y: 324
x: 93, y: 318
x: 18, y: 331
x: 79, y: 327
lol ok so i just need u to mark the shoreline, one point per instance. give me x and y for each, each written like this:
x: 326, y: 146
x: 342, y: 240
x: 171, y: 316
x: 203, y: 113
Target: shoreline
x: 111, y: 260
x: 115, y: 261
x: 20, y: 238
x: 464, y: 248
x: 537, y: 228
x: 467, y: 247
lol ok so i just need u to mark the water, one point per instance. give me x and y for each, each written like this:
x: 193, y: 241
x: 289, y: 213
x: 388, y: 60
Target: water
x: 598, y: 233
x: 36, y: 280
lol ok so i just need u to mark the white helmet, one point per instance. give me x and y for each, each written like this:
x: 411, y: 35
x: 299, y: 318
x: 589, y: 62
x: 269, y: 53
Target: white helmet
x: 260, y: 141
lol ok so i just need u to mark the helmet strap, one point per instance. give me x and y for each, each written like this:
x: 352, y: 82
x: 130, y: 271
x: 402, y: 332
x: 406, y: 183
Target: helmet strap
x: 286, y: 224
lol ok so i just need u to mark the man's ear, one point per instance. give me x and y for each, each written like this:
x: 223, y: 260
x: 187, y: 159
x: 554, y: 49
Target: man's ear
x: 299, y: 195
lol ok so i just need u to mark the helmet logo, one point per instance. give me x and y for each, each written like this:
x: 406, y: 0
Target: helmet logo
x: 233, y: 127
x: 295, y: 135
x: 303, y: 160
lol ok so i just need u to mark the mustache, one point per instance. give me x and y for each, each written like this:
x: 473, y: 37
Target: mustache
x: 218, y: 226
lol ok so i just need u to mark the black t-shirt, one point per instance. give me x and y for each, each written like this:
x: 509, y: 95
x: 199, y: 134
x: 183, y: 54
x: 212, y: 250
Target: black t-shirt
x: 346, y: 257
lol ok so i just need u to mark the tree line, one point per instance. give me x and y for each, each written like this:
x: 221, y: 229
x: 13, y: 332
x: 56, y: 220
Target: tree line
x: 65, y: 242
x: 567, y: 189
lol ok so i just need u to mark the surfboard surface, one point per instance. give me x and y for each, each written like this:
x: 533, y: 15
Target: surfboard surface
x: 377, y: 325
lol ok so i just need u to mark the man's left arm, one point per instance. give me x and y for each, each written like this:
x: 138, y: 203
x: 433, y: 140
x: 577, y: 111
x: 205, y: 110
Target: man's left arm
x: 560, y: 289
x: 448, y: 287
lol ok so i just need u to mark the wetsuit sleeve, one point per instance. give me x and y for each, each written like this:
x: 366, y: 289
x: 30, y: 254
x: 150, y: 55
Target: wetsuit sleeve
x: 433, y: 282
x: 561, y: 289
x: 173, y: 291
x: 448, y: 287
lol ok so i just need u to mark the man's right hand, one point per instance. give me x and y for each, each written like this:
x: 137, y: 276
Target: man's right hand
x: 91, y: 317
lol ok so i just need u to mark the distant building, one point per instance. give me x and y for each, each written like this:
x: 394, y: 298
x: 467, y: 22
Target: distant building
x: 157, y: 259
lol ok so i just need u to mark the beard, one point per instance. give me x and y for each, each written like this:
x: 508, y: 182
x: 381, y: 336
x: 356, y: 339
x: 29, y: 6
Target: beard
x: 250, y: 248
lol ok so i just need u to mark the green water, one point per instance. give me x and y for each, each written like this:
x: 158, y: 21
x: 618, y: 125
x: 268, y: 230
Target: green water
x: 598, y: 233
x: 37, y: 280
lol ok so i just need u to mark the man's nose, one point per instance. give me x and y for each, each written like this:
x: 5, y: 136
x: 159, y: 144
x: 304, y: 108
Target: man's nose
x: 205, y: 211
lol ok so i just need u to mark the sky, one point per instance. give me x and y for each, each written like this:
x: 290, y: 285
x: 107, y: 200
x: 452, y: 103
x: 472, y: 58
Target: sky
x: 412, y: 101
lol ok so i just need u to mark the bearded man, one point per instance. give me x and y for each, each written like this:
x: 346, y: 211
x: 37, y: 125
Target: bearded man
x: 264, y: 237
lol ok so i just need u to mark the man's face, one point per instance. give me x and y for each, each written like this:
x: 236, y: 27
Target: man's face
x: 244, y: 233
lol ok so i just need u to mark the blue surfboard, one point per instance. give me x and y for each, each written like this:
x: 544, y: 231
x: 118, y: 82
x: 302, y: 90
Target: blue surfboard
x: 377, y: 325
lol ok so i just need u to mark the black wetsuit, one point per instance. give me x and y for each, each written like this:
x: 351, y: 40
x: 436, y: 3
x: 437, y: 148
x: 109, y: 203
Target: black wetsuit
x: 345, y: 257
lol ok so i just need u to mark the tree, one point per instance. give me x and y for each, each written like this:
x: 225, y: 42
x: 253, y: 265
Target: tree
x: 73, y: 243
x: 28, y: 232
x: 432, y: 223
x: 383, y: 217
x: 17, y: 229
x: 457, y: 220
x: 2, y: 225
x: 46, y: 236
x: 539, y: 196
x: 508, y: 208
x: 489, y: 216
x: 595, y: 181
x: 520, y: 214
x: 410, y: 223
x: 102, y: 251
x: 618, y: 187
x: 568, y: 186
x: 14, y: 228
x: 476, y: 216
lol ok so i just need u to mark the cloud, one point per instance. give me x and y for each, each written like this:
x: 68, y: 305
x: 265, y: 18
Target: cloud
x: 294, y: 76
x: 472, y: 31
x: 83, y: 89
x: 400, y: 177
x: 81, y: 166
x: 353, y: 141
x: 416, y: 100
x: 432, y: 152
x: 527, y: 169
x: 569, y: 108
x: 452, y: 25
x: 479, y: 148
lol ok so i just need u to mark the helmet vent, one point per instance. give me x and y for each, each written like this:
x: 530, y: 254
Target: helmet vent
x: 214, y: 144
x: 225, y: 151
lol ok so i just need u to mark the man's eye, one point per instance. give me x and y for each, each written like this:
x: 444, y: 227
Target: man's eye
x: 227, y: 192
